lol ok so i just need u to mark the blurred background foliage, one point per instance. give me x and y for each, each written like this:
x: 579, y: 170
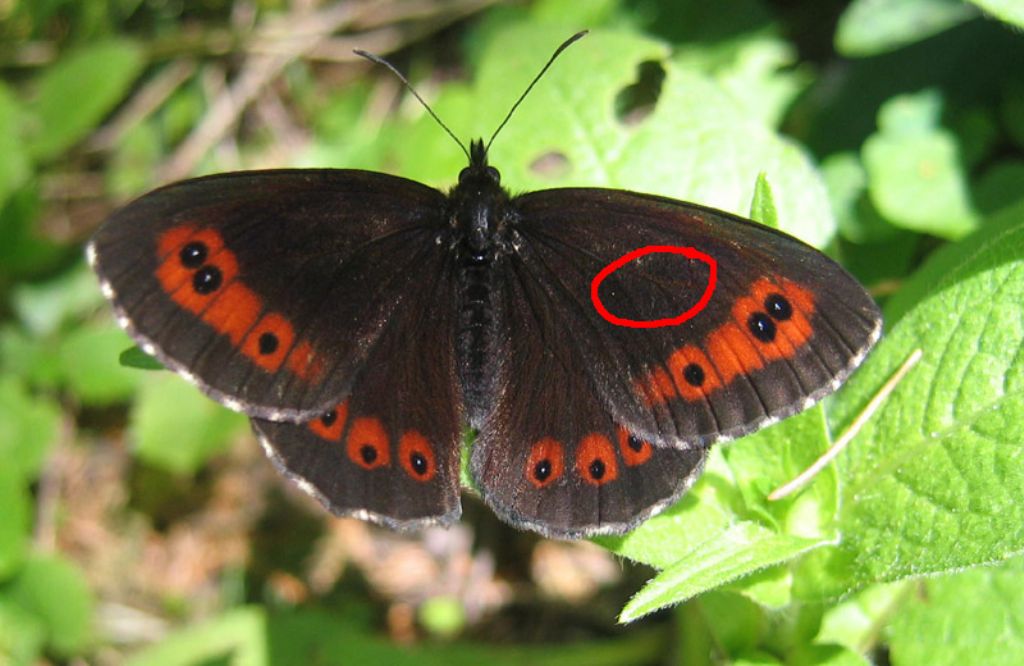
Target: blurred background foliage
x: 139, y: 522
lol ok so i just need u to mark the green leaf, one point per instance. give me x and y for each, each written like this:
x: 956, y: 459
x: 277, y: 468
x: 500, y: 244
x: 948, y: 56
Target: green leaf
x: 968, y: 618
x: 134, y: 357
x: 24, y: 251
x: 77, y: 92
x: 870, y: 27
x: 762, y: 205
x: 858, y: 620
x: 933, y: 482
x: 725, y: 529
x: 22, y: 635
x: 759, y: 72
x: 916, y: 177
x: 734, y: 552
x: 45, y: 306
x: 180, y: 445
x: 54, y: 591
x: 14, y: 527
x: 14, y: 163
x: 28, y: 428
x: 735, y: 623
x: 1002, y: 185
x: 88, y: 357
x: 762, y: 462
x: 1010, y: 11
x: 238, y: 637
x: 856, y: 216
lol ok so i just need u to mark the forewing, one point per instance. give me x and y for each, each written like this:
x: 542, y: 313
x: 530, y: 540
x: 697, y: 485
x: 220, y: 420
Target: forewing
x: 267, y: 289
x: 784, y: 324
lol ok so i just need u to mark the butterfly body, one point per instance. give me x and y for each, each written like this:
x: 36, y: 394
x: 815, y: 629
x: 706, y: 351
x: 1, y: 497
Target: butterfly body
x: 362, y: 320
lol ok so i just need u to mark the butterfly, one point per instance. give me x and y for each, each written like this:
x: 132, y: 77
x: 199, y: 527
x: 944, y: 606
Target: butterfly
x: 598, y: 341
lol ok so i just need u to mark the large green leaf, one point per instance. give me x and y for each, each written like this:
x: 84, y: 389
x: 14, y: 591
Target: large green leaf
x: 933, y: 481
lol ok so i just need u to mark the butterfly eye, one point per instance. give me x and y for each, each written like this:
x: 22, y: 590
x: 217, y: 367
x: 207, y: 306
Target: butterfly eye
x: 493, y: 174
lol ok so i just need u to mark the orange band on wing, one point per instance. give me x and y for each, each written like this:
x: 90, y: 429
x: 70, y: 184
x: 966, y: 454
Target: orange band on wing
x: 772, y: 321
x: 199, y: 273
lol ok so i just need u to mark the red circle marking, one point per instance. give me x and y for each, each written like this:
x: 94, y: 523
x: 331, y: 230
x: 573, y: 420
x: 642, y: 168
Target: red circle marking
x: 688, y: 252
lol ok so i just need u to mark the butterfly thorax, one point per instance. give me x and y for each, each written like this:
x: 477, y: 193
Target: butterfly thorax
x: 478, y: 205
x: 478, y: 213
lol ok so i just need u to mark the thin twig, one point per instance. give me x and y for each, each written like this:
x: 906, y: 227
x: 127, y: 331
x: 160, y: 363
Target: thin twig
x: 804, y: 477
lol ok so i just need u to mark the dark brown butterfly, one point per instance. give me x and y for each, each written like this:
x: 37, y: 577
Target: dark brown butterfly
x: 362, y: 320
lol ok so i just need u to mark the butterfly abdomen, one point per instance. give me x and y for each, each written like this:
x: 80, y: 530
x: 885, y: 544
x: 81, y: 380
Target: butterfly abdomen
x: 476, y: 324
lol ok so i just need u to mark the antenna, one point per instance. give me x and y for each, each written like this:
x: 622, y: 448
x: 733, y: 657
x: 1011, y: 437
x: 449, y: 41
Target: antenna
x: 566, y: 44
x: 405, y: 82
x: 381, y: 61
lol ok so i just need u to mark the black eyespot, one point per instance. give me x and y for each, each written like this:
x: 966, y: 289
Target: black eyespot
x: 778, y: 307
x: 596, y: 469
x: 761, y: 326
x: 542, y: 470
x: 693, y: 374
x: 193, y: 255
x: 419, y: 463
x: 268, y: 343
x: 635, y: 443
x: 368, y: 454
x: 207, y: 280
x: 329, y: 418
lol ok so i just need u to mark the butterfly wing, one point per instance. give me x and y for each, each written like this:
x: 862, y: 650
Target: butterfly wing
x: 267, y: 289
x: 390, y: 451
x: 781, y: 326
